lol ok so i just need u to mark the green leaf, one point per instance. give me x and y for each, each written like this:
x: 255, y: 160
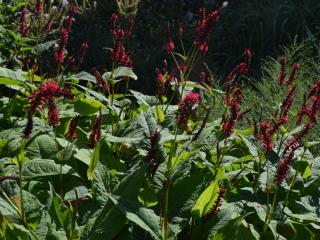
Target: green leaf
x: 84, y: 155
x: 8, y: 210
x: 237, y: 228
x: 110, y: 221
x: 143, y: 217
x: 43, y: 168
x: 40, y: 48
x: 104, y: 181
x: 10, y: 77
x: 64, y: 216
x: 42, y: 146
x: 115, y: 139
x: 147, y: 197
x: 121, y: 72
x: 84, y: 76
x: 206, y: 200
x: 159, y: 114
x: 93, y: 162
x: 144, y: 99
x: 87, y: 106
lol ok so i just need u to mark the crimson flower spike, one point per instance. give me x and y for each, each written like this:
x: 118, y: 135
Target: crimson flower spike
x: 23, y: 28
x: 28, y: 129
x: 240, y: 69
x: 234, y: 101
x: 216, y: 207
x: 282, y: 75
x: 305, y: 110
x: 73, y: 10
x: 83, y: 51
x: 294, y: 70
x: 96, y: 131
x: 38, y: 8
x: 169, y: 42
x: 72, y: 130
x: 53, y: 112
x: 185, y: 108
x: 154, y: 138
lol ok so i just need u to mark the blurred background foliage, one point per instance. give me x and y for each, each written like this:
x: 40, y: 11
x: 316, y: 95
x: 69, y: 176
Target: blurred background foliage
x: 265, y: 26
x: 270, y: 28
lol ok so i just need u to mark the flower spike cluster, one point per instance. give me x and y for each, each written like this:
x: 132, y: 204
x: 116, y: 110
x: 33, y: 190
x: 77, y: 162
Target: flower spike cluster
x: 186, y: 106
x: 23, y: 27
x: 119, y: 54
x: 72, y: 130
x: 169, y: 42
x: 240, y: 69
x: 311, y: 112
x: 59, y: 54
x: 233, y: 102
x: 100, y: 81
x: 203, y: 31
x: 46, y: 94
x: 267, y: 130
x: 282, y: 76
x: 96, y: 131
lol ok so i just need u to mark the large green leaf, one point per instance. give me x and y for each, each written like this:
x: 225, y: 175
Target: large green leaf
x: 121, y: 72
x: 42, y: 146
x: 87, y: 106
x: 110, y: 221
x: 94, y: 160
x: 143, y: 217
x: 10, y: 77
x: 206, y: 200
x: 45, y: 167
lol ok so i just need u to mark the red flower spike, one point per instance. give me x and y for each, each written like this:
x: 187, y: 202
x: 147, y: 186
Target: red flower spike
x: 247, y: 54
x: 154, y: 138
x: 180, y: 30
x: 128, y: 31
x: 169, y: 42
x: 287, y: 102
x: 240, y: 69
x: 185, y: 108
x: 36, y: 99
x: 100, y: 81
x: 282, y: 75
x: 203, y: 31
x: 73, y: 10
x: 46, y: 93
x: 53, y: 113
x: 266, y: 136
x: 83, y: 51
x: 294, y: 70
x: 283, y: 167
x: 160, y: 83
x: 69, y: 22
x: 59, y: 53
x: 23, y: 28
x: 233, y: 101
x: 72, y: 130
x: 96, y: 131
x: 216, y: 207
x: 38, y: 8
x: 47, y: 27
x: 28, y: 129
x: 305, y: 110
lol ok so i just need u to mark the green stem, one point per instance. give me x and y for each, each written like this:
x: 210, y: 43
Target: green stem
x: 22, y: 212
x: 270, y: 212
x: 290, y: 188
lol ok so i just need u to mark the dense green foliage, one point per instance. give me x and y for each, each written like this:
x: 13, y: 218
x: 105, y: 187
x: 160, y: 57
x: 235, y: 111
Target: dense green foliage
x: 83, y: 156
